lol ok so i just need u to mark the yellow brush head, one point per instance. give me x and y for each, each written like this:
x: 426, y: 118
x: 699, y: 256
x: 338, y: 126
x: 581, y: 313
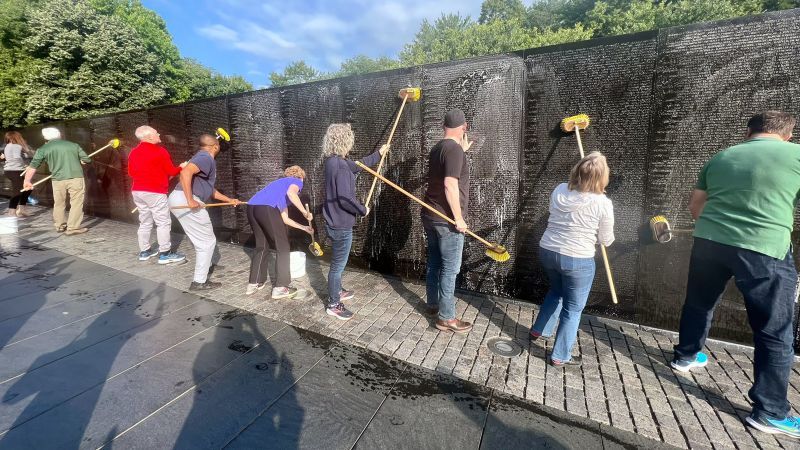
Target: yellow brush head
x: 413, y: 93
x: 658, y: 219
x: 581, y: 121
x: 221, y: 133
x: 315, y: 249
x: 498, y: 253
x: 114, y: 143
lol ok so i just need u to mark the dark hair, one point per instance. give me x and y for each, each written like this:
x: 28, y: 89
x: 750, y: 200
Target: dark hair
x: 774, y: 122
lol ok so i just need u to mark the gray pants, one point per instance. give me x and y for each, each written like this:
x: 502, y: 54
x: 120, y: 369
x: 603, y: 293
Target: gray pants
x: 153, y: 209
x: 197, y: 225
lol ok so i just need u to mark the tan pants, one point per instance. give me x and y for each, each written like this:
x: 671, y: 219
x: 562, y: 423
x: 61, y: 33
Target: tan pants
x: 76, y: 189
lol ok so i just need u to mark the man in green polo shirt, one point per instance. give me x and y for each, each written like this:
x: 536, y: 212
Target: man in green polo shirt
x: 64, y: 158
x: 744, y: 204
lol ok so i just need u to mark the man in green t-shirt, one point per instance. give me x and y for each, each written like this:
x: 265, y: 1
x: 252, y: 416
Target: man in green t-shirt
x: 64, y: 158
x: 744, y: 204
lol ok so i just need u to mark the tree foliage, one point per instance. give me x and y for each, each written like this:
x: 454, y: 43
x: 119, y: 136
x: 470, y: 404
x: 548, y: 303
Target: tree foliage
x: 73, y: 58
x: 509, y: 25
x: 296, y: 73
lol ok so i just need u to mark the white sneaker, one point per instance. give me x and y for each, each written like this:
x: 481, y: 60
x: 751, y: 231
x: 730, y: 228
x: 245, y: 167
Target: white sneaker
x: 253, y: 287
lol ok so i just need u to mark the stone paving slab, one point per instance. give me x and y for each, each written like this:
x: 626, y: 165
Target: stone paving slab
x: 625, y: 382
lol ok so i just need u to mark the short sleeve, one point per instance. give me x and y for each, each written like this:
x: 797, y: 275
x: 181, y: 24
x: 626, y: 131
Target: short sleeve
x: 453, y: 162
x: 202, y: 162
x: 701, y: 179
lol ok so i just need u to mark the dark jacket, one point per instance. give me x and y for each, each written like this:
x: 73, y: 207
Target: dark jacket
x: 341, y: 205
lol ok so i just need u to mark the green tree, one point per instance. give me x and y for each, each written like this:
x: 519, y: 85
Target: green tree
x: 492, y: 10
x: 613, y: 17
x: 449, y: 39
x: 364, y: 64
x: 195, y: 81
x: 296, y: 73
x: 86, y: 62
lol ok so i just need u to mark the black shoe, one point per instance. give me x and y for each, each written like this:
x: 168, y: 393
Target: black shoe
x: 574, y: 362
x: 208, y: 285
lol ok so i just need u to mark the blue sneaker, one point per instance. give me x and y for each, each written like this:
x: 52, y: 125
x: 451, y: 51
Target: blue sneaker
x: 147, y: 254
x: 789, y: 426
x: 171, y: 257
x: 700, y: 360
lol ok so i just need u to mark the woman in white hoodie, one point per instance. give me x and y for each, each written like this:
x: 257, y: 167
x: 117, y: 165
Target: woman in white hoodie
x: 580, y: 216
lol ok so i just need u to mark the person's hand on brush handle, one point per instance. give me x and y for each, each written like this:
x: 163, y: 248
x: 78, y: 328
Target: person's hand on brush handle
x: 384, y: 149
x: 461, y: 225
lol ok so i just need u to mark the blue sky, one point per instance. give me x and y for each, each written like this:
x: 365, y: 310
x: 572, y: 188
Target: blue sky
x: 255, y: 37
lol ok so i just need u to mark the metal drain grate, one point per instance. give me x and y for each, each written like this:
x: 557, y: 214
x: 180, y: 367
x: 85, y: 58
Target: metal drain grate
x: 504, y: 347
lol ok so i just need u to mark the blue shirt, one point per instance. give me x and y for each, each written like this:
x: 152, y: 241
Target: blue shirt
x: 203, y: 181
x: 274, y: 194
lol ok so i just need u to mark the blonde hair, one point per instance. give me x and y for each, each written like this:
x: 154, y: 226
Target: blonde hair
x: 295, y: 171
x: 590, y: 174
x: 338, y: 140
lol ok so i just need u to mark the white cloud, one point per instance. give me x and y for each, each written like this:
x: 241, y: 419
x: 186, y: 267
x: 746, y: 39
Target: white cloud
x: 219, y: 33
x: 323, y: 33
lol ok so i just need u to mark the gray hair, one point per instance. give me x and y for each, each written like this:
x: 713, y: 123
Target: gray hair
x: 338, y: 140
x: 51, y: 133
x: 143, y: 132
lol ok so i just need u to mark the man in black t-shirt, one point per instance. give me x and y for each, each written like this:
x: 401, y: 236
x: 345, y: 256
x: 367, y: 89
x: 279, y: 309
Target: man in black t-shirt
x: 448, y: 193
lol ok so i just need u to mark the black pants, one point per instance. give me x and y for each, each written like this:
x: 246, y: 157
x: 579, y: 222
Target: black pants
x: 271, y: 234
x: 768, y: 286
x: 19, y: 198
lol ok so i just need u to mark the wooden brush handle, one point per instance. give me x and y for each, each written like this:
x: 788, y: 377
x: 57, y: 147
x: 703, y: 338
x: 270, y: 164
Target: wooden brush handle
x: 389, y: 141
x: 208, y: 205
x: 580, y: 144
x: 608, y: 274
x: 50, y: 176
x: 412, y: 197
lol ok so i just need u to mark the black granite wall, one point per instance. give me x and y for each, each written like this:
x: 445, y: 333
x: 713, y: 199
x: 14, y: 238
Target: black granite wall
x: 661, y: 103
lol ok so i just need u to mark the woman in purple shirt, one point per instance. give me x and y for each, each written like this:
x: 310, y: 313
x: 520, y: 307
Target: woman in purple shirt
x: 268, y: 214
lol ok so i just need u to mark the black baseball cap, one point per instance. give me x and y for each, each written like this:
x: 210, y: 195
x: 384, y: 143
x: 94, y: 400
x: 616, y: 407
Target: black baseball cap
x: 454, y: 118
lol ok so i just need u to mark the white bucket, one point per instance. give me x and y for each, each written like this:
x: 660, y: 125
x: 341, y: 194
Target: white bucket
x: 297, y: 264
x: 8, y: 225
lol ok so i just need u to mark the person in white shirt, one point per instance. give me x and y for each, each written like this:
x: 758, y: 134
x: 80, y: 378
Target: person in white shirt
x: 15, y: 152
x: 580, y: 216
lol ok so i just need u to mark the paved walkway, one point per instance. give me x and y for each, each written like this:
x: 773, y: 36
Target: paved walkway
x: 625, y: 381
x: 92, y: 357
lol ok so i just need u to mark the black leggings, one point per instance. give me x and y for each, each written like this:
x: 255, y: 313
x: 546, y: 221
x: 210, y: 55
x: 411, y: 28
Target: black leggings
x: 19, y: 198
x: 271, y: 234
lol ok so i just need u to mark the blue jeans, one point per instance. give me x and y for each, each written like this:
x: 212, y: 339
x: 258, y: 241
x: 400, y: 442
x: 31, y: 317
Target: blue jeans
x: 570, y: 283
x: 445, y: 245
x: 341, y: 240
x: 768, y: 286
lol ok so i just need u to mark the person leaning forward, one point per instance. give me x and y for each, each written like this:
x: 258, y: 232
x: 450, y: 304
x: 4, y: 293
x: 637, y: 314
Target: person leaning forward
x: 64, y: 158
x: 448, y: 192
x: 744, y: 203
x: 196, y: 187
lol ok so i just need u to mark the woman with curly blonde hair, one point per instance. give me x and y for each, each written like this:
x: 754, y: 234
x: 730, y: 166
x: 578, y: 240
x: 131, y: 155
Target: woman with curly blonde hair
x: 268, y: 214
x: 341, y: 208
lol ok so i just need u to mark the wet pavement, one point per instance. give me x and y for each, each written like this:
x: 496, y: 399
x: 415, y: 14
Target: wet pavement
x: 625, y: 382
x: 92, y: 357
